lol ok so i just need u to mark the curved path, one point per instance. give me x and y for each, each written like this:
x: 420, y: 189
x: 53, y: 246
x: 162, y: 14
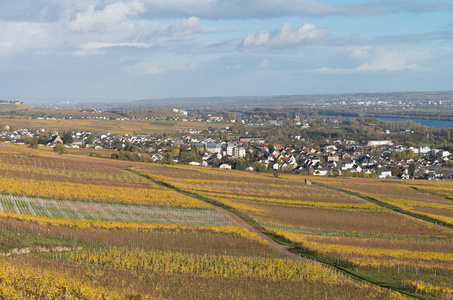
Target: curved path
x: 238, y: 221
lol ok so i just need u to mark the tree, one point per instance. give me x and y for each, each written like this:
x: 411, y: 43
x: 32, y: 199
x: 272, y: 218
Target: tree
x: 183, y: 155
x: 271, y: 148
x: 411, y: 169
x: 168, y: 158
x: 258, y: 166
x: 175, y: 151
x: 59, y: 148
x: 403, y: 155
x: 239, y: 163
x: 373, y: 175
x: 33, y: 143
x: 67, y: 138
x: 44, y: 137
x: 195, y: 155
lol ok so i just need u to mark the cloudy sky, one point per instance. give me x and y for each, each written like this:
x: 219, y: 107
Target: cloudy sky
x: 135, y: 49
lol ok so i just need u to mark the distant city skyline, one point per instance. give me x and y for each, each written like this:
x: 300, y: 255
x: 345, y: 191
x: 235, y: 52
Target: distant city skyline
x: 149, y: 49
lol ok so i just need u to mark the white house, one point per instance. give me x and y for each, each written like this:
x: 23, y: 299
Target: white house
x: 385, y: 174
x: 379, y: 143
x: 225, y: 166
x: 156, y: 157
x: 322, y: 172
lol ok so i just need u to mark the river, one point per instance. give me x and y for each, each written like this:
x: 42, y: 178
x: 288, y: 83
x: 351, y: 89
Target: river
x: 427, y: 122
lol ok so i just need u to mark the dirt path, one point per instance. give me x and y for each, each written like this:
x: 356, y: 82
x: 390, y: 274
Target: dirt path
x: 235, y: 219
x: 238, y: 221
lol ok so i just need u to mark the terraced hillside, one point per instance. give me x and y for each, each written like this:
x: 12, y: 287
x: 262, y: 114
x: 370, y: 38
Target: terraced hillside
x: 87, y: 228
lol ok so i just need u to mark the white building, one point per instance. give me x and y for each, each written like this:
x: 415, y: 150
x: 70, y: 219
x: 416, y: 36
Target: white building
x: 379, y: 143
x: 421, y: 150
x: 385, y: 174
x: 213, y: 148
x: 238, y: 152
x: 229, y: 149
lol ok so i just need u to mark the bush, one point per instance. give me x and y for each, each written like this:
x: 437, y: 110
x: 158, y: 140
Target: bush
x: 60, y: 149
x: 33, y: 143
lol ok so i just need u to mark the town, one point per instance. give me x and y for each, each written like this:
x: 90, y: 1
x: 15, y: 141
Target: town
x: 257, y: 142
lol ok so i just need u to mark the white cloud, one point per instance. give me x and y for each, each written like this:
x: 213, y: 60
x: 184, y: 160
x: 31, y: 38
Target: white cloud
x: 155, y: 70
x: 235, y: 67
x: 94, y: 47
x: 16, y: 37
x: 214, y: 9
x: 384, y: 59
x: 238, y: 9
x: 390, y: 59
x: 277, y: 8
x: 138, y: 37
x: 287, y: 36
x: 186, y: 23
x: 168, y: 64
x: 192, y: 24
x: 112, y: 17
x: 264, y: 63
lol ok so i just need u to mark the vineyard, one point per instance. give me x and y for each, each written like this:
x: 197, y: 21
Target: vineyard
x: 84, y: 210
x: 335, y: 221
x: 86, y: 228
x: 76, y: 227
x: 429, y: 200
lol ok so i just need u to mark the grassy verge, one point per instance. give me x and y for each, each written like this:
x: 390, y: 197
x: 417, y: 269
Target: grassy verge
x: 421, y: 190
x: 382, y: 279
x: 11, y: 238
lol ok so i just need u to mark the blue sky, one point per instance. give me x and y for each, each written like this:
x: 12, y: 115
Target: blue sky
x: 144, y: 49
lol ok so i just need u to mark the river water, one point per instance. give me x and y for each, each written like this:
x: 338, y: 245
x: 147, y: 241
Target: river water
x: 426, y: 122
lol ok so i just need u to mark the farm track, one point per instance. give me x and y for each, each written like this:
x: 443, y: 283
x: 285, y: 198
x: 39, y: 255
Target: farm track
x: 237, y: 220
x: 284, y: 249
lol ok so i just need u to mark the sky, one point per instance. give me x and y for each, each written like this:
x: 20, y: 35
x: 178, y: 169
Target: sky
x: 149, y: 49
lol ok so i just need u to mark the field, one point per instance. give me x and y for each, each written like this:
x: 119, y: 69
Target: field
x: 342, y: 228
x: 76, y: 227
x: 145, y: 127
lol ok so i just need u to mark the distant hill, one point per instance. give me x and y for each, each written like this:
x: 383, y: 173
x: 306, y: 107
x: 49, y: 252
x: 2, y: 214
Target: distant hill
x: 245, y: 101
x: 277, y: 100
